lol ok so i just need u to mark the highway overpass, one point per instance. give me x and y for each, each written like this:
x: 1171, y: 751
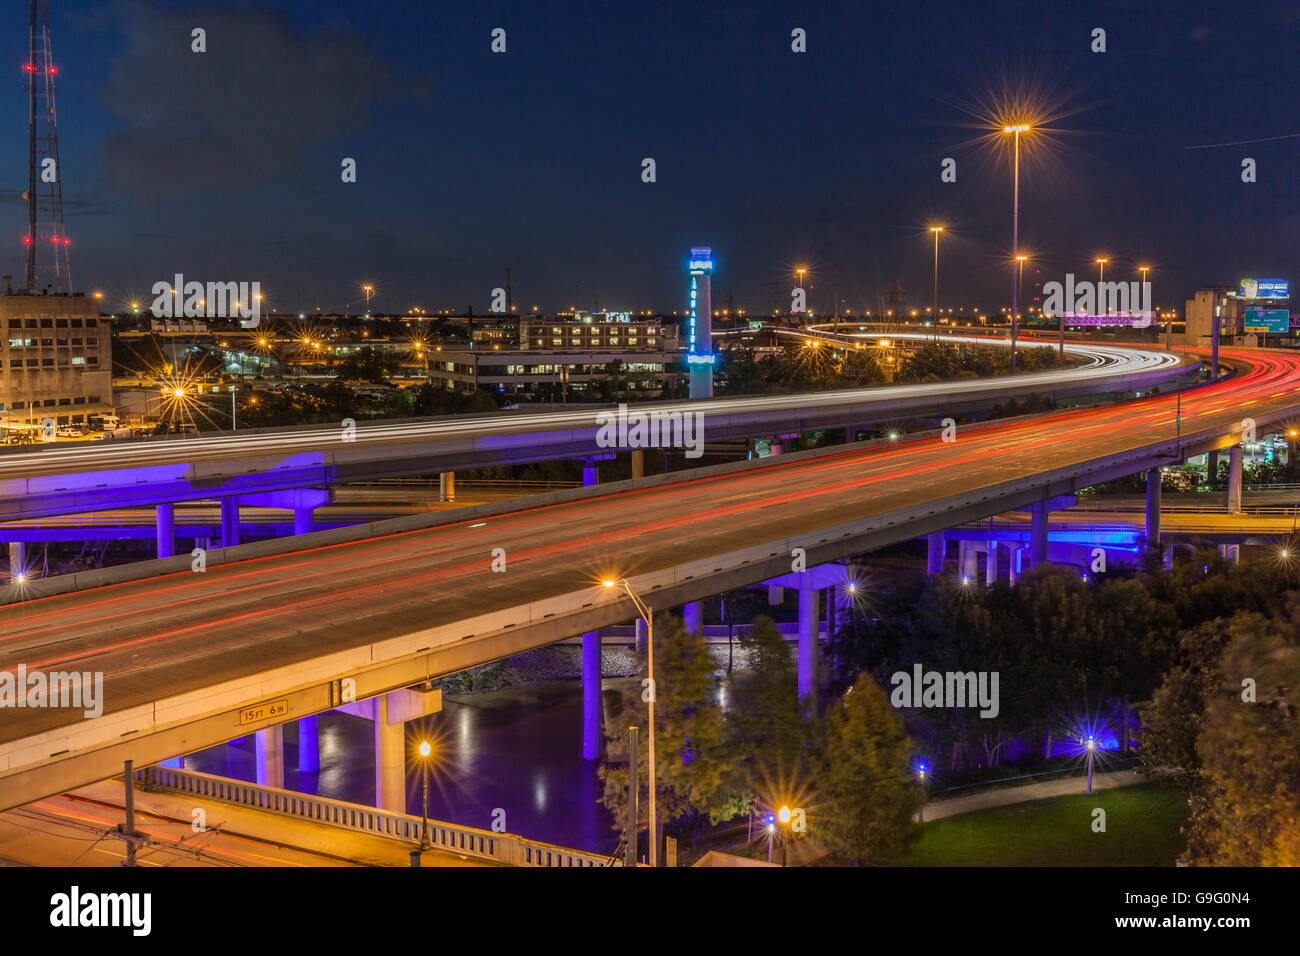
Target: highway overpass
x: 69, y: 477
x: 193, y: 659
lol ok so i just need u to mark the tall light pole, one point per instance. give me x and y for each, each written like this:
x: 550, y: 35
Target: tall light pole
x: 648, y: 617
x: 425, y: 751
x: 800, y: 273
x: 1015, y: 229
x: 368, y: 289
x: 935, y: 311
x: 1091, y: 745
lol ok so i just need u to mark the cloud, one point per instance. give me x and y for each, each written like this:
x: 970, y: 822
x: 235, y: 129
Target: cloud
x: 241, y: 113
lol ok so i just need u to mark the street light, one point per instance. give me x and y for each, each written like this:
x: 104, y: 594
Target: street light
x: 647, y: 616
x: 367, y: 289
x: 921, y: 777
x: 1091, y: 745
x: 784, y: 816
x: 1101, y: 278
x: 936, y: 230
x: 425, y: 751
x: 1015, y: 131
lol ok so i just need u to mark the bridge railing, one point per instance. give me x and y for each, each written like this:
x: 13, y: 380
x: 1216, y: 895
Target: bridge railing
x: 502, y: 848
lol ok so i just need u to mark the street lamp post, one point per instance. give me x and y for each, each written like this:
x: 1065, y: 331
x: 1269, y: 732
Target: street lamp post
x: 1091, y: 745
x: 425, y: 751
x: 648, y: 617
x: 1101, y: 286
x: 368, y: 289
x: 935, y: 308
x: 1015, y: 230
x: 784, y: 816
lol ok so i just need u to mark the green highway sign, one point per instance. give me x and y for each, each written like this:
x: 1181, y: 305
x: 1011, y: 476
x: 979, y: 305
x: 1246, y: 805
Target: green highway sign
x: 1267, y: 320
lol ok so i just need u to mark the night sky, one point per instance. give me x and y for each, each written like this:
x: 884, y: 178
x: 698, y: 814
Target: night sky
x: 226, y: 165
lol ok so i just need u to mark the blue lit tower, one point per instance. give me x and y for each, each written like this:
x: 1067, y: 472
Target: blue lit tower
x: 699, y: 329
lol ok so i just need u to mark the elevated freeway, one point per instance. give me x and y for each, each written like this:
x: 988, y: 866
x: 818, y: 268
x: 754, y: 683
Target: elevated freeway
x: 65, y: 478
x: 188, y: 657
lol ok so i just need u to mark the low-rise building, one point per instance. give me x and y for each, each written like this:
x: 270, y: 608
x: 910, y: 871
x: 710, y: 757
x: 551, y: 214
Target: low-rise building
x: 55, y: 359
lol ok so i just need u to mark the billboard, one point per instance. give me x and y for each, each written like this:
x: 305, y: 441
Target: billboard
x: 1265, y: 289
x: 1267, y: 320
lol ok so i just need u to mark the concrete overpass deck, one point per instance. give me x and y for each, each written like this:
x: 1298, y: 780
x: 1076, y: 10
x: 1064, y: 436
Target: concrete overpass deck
x: 193, y: 659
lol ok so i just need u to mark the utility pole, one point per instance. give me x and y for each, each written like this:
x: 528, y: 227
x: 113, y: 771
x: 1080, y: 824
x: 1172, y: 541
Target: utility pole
x: 509, y: 293
x: 633, y: 794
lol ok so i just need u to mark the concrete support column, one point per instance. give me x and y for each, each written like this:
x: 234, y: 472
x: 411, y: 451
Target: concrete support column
x: 638, y: 463
x: 17, y: 559
x: 1234, y: 480
x: 775, y: 595
x: 1230, y: 553
x: 590, y: 476
x: 935, y: 546
x: 991, y: 564
x: 1038, y: 535
x: 302, y: 520
x: 390, y: 759
x: 640, y: 635
x: 1153, y: 508
x: 447, y: 486
x: 809, y: 598
x: 1169, y: 558
x: 591, y: 733
x: 968, y: 560
x: 694, y: 615
x: 1212, y: 466
x: 165, y: 515
x: 775, y: 448
x: 308, y: 745
x: 1014, y: 564
x: 850, y: 435
x: 229, y: 522
x: 268, y: 745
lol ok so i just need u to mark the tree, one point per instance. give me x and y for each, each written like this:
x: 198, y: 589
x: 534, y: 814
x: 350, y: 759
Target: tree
x: 694, y: 780
x: 1250, y: 749
x: 866, y: 792
x: 767, y: 731
x: 368, y: 365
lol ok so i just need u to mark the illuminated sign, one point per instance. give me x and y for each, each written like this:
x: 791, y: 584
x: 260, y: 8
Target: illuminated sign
x: 1267, y: 320
x: 276, y: 708
x: 693, y: 359
x: 1265, y: 289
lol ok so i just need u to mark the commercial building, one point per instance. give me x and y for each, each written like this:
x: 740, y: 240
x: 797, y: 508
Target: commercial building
x: 55, y: 359
x: 544, y: 374
x: 1256, y: 312
x: 592, y: 332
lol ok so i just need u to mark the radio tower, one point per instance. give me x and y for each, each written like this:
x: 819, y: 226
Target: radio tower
x: 44, y: 193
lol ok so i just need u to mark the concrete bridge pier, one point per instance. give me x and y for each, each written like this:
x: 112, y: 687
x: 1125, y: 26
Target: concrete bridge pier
x: 1038, y: 535
x: 302, y: 518
x: 447, y: 486
x: 693, y: 613
x: 638, y: 463
x: 591, y: 690
x: 1234, y: 480
x: 166, y: 521
x: 640, y: 635
x: 229, y: 522
x: 268, y: 745
x: 935, y: 546
x: 1230, y: 553
x: 17, y: 559
x: 308, y: 745
x: 775, y: 595
x: 991, y: 563
x: 809, y: 599
x: 967, y: 561
x: 1153, y: 508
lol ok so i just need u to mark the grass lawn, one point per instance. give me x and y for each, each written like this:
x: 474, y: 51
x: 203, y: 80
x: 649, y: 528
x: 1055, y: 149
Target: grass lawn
x: 1142, y: 825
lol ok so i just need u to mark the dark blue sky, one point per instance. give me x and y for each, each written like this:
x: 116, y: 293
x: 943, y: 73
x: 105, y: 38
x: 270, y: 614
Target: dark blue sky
x: 226, y: 165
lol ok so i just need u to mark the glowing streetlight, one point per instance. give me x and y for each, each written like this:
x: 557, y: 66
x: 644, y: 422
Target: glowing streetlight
x: 368, y: 289
x: 648, y: 617
x: 1015, y: 132
x: 936, y: 230
x: 425, y: 750
x: 921, y: 777
x: 1091, y: 745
